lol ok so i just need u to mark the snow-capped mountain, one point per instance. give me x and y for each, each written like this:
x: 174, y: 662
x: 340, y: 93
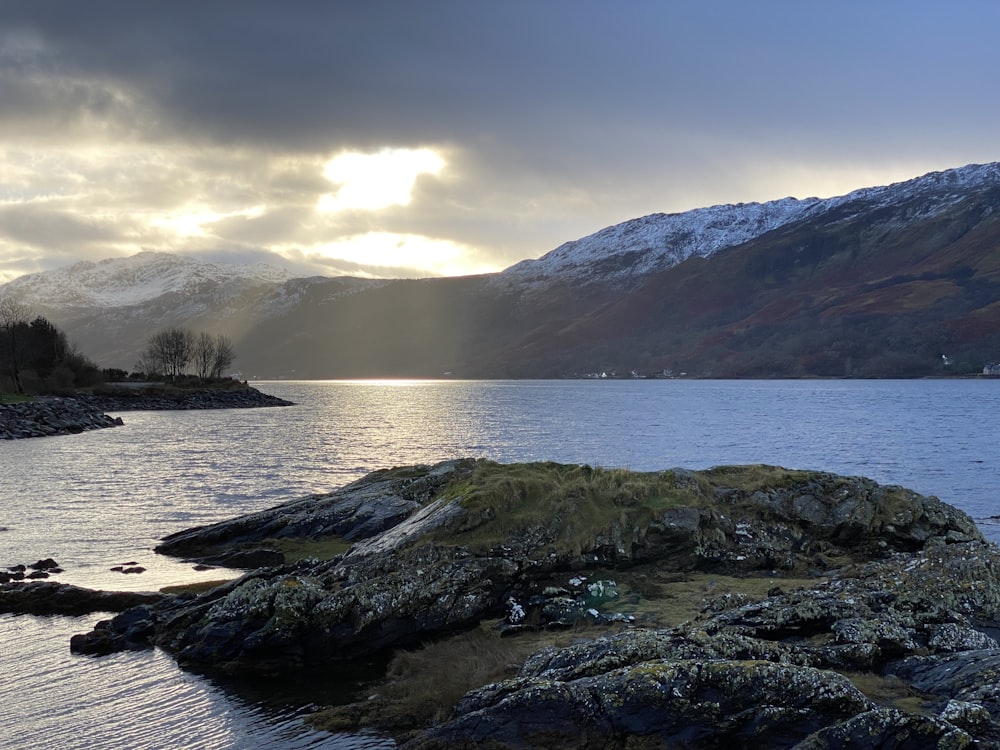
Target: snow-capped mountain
x: 656, y: 242
x: 121, y: 282
x: 110, y: 308
x: 883, y: 281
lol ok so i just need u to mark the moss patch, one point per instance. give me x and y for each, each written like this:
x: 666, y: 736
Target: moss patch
x: 319, y: 548
x: 664, y: 598
x: 752, y: 477
x: 557, y: 503
x: 14, y: 398
x: 568, y: 506
x: 199, y: 587
x: 891, y: 691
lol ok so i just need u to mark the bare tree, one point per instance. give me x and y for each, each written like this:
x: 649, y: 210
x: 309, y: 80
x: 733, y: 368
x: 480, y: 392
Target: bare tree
x: 14, y: 318
x: 203, y: 354
x: 170, y: 351
x: 146, y: 365
x: 223, y: 355
x: 212, y: 355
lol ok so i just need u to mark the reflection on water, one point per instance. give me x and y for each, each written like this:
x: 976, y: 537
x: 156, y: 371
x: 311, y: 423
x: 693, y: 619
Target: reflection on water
x: 53, y: 699
x: 99, y: 499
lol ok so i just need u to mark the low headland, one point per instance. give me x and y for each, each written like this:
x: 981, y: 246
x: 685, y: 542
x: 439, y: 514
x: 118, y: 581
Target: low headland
x: 548, y: 605
x: 45, y: 416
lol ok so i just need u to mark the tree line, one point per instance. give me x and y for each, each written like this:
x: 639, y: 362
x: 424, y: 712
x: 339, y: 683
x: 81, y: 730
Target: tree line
x: 36, y: 357
x: 171, y: 351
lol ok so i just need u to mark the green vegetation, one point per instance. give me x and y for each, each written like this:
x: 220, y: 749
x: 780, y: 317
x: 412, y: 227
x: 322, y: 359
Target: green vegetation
x: 37, y: 358
x: 428, y: 682
x: 570, y: 502
x: 892, y: 692
x: 665, y: 598
x: 199, y: 587
x: 567, y: 506
x: 752, y: 477
x: 423, y: 685
x: 321, y: 548
x: 176, y: 386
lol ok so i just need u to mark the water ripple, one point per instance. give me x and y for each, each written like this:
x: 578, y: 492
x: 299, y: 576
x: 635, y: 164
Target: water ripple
x: 98, y: 499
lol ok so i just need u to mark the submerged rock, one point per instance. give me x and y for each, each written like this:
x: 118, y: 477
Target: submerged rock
x: 889, y: 583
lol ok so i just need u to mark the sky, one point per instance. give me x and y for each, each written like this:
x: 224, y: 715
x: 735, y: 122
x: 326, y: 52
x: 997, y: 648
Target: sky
x: 446, y: 137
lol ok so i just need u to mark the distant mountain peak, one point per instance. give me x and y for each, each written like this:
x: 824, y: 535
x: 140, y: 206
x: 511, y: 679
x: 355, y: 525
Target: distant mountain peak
x: 657, y: 242
x: 132, y: 280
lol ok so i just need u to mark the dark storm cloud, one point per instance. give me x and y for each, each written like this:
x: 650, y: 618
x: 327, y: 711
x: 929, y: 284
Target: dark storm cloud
x: 301, y: 74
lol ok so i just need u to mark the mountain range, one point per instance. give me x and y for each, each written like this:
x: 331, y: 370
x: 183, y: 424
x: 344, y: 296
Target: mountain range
x: 894, y: 281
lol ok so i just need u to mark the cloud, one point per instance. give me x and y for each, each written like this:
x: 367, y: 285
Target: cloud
x: 48, y: 225
x: 212, y: 127
x: 381, y: 254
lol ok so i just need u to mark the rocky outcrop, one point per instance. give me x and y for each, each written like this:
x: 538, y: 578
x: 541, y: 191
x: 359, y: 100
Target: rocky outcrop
x: 51, y: 598
x: 360, y: 510
x: 51, y: 416
x: 889, y: 584
x: 156, y: 399
x: 772, y: 668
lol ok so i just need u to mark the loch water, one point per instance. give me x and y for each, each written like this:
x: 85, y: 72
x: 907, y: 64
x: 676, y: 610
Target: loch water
x: 102, y: 499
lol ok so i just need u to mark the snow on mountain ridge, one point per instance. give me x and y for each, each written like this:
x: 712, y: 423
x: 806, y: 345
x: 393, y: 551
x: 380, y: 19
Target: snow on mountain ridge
x: 121, y: 282
x: 663, y: 240
x: 659, y: 241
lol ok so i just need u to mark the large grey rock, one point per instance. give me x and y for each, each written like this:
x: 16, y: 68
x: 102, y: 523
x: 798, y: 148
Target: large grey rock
x: 666, y: 703
x: 890, y: 729
x: 360, y: 510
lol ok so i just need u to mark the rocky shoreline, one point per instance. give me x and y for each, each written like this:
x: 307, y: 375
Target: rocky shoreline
x: 141, y: 399
x: 69, y: 415
x: 46, y: 417
x: 53, y: 598
x: 744, y: 606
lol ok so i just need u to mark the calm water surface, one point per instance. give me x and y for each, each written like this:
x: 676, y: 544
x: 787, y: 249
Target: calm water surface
x: 104, y: 498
